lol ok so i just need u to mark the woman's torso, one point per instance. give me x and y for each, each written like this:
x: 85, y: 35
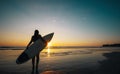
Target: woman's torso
x: 34, y: 38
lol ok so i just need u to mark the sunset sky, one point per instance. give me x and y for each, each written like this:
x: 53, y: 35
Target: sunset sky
x: 74, y: 22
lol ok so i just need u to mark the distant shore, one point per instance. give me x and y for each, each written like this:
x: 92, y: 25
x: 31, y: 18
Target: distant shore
x: 111, y: 45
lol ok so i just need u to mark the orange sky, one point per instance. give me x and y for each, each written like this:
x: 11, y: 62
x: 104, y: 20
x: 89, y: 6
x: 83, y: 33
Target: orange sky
x: 19, y: 41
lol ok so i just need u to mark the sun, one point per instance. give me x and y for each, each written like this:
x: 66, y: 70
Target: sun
x: 49, y: 44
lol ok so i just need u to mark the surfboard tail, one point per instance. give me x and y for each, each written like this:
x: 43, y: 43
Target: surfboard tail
x: 22, y: 58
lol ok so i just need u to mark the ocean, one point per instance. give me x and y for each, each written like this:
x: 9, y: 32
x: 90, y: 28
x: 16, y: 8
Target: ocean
x: 67, y: 60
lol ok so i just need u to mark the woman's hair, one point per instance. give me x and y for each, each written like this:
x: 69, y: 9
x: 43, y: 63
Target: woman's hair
x: 36, y: 32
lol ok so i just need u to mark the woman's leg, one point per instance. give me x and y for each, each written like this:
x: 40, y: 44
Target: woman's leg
x: 33, y: 64
x: 37, y: 62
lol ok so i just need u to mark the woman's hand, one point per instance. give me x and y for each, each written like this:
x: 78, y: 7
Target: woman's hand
x: 45, y: 42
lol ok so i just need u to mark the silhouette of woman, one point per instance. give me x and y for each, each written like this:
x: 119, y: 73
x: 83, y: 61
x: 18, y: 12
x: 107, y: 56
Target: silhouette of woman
x: 35, y: 37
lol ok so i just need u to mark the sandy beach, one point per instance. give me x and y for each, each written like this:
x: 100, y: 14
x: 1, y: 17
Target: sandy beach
x: 65, y: 61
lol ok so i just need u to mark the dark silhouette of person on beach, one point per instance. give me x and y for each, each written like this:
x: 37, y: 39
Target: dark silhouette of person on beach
x: 35, y: 37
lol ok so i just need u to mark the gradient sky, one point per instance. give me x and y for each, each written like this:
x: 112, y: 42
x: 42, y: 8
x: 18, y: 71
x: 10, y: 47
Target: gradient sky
x: 74, y: 22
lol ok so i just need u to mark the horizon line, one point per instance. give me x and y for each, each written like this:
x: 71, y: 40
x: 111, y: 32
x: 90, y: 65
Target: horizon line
x: 46, y: 46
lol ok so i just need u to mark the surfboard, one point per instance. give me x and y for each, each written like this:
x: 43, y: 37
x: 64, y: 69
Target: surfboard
x: 34, y: 49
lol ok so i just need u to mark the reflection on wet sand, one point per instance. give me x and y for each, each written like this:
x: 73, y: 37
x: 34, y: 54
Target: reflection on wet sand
x: 111, y: 65
x: 53, y: 72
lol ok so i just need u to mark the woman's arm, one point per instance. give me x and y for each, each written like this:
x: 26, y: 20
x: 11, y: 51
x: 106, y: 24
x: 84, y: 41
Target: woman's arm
x: 29, y: 43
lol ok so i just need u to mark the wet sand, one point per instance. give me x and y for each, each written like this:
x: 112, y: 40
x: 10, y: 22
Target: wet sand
x: 111, y: 65
x: 78, y: 62
x: 53, y: 72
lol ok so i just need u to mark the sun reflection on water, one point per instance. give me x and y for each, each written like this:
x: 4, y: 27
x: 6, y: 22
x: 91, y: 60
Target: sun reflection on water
x: 48, y: 50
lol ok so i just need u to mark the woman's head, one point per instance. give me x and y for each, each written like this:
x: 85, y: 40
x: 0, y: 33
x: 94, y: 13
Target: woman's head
x: 36, y: 32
